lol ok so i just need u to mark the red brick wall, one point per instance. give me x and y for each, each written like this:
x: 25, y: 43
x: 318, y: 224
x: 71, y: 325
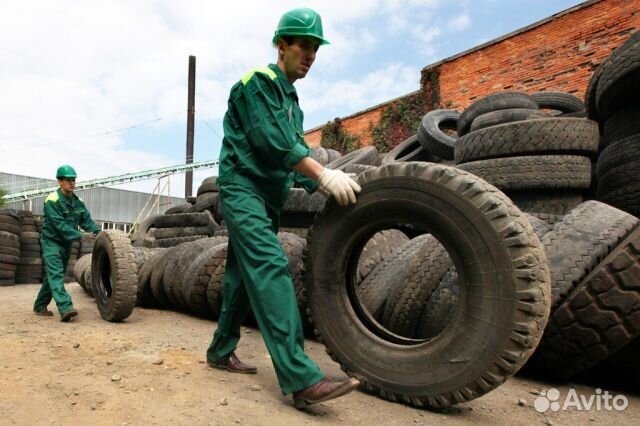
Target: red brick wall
x: 358, y: 124
x: 557, y: 55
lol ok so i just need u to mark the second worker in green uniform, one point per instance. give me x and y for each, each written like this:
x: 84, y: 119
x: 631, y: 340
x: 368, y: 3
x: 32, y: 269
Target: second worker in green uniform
x: 63, y: 213
x: 263, y: 153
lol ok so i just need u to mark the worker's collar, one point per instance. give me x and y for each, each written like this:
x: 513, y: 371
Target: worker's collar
x: 288, y: 87
x: 68, y: 197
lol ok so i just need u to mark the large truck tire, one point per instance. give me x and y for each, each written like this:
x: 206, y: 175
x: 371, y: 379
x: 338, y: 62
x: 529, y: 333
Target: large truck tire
x: 504, y: 285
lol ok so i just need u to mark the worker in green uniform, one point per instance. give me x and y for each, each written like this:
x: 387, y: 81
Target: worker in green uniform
x: 63, y: 213
x: 263, y: 153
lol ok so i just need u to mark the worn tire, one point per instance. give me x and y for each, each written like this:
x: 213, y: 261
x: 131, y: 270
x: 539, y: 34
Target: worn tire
x: 215, y: 286
x: 533, y: 172
x: 626, y: 198
x: 367, y: 155
x: 622, y: 124
x: 556, y: 202
x: 197, y: 277
x: 176, y: 267
x: 183, y: 219
x: 503, y: 116
x: 115, y: 279
x: 493, y: 102
x: 409, y: 149
x: 377, y: 249
x: 577, y: 243
x: 504, y: 290
x: 559, y: 101
x: 619, y: 153
x: 209, y: 184
x: 180, y: 208
x: 619, y: 83
x: 574, y: 136
x: 600, y: 317
x: 172, y: 242
x: 184, y: 231
x: 374, y: 290
x: 143, y: 229
x: 431, y: 134
x: 407, y: 298
x: 440, y: 308
x: 320, y: 154
x: 145, y: 295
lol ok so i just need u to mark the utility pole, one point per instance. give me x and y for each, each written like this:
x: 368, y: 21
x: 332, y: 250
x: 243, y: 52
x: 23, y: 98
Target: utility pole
x: 191, y: 100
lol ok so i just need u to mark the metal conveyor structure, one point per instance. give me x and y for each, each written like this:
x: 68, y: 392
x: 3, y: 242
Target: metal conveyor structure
x: 113, y: 180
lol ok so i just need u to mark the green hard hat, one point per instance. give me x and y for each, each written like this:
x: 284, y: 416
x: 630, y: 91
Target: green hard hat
x: 301, y: 22
x: 66, y: 171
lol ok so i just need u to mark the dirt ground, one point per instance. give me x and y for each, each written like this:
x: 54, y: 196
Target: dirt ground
x: 150, y: 370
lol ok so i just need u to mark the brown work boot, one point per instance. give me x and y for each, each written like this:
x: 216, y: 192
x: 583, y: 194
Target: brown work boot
x: 43, y: 313
x: 66, y: 316
x: 234, y: 365
x: 324, y: 390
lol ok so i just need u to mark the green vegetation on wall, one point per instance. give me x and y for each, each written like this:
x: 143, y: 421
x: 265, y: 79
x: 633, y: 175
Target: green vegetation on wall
x: 398, y: 122
x: 335, y: 137
x: 2, y: 194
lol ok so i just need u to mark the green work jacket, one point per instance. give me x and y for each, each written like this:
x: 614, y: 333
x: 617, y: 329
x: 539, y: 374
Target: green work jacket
x: 263, y: 137
x: 63, y: 215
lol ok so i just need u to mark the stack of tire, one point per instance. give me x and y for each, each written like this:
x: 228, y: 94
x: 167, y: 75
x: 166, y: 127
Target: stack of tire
x: 169, y: 230
x: 207, y: 196
x: 30, y: 266
x: 141, y: 235
x: 594, y: 259
x: 613, y: 99
x: 542, y: 162
x: 10, y: 229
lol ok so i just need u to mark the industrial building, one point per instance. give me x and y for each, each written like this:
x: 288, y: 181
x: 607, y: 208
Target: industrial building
x: 110, y: 208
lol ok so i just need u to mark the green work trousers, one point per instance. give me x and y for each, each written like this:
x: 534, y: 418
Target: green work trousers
x: 257, y: 276
x: 56, y: 257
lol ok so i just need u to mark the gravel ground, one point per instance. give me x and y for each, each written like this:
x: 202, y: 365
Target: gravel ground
x: 150, y: 370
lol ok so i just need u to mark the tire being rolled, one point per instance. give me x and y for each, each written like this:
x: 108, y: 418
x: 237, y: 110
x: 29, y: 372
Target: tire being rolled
x: 114, y: 275
x: 504, y: 285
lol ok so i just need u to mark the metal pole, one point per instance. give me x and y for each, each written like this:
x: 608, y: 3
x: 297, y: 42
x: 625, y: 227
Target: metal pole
x: 191, y: 99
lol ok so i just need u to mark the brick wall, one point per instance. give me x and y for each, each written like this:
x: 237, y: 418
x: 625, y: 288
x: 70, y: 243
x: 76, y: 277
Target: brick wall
x: 557, y: 54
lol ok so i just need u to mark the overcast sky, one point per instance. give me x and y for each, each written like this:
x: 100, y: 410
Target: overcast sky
x: 102, y: 85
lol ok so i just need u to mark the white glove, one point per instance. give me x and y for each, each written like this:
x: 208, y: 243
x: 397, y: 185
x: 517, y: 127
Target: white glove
x: 340, y: 185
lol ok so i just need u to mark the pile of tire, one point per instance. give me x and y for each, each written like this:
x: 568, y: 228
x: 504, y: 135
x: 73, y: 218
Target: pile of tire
x: 10, y: 229
x: 594, y: 259
x: 207, y: 196
x: 541, y: 161
x: 169, y: 230
x: 187, y: 277
x: 613, y: 99
x: 30, y: 265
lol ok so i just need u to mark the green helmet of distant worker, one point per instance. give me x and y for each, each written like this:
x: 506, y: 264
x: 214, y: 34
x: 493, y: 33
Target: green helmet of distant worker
x: 66, y: 171
x: 301, y: 22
